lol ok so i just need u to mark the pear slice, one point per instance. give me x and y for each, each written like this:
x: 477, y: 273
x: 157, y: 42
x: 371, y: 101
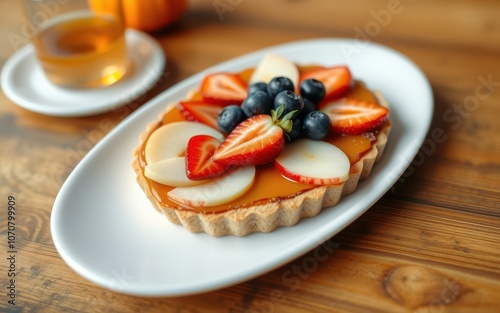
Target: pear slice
x: 273, y: 65
x: 170, y: 140
x: 313, y: 162
x: 171, y: 172
x: 218, y: 191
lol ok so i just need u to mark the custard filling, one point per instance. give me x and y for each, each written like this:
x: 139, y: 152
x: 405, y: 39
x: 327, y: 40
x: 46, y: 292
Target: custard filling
x: 269, y: 185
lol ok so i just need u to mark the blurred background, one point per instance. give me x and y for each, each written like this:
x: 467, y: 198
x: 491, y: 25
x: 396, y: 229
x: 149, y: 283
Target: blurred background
x: 456, y: 24
x: 439, y: 36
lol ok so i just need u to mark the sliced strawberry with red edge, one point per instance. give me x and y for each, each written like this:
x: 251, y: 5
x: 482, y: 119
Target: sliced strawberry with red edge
x: 255, y: 141
x: 200, y: 111
x: 354, y: 117
x: 223, y: 89
x: 199, y: 164
x: 337, y: 79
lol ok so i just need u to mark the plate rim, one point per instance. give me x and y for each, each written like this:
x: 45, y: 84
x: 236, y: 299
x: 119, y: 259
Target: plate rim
x: 299, y: 249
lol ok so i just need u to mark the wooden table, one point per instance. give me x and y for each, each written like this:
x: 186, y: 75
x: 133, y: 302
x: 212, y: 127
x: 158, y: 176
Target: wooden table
x: 429, y: 245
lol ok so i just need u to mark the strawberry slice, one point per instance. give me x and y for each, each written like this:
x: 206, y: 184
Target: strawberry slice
x: 255, y: 141
x: 354, y: 117
x: 199, y: 164
x: 223, y: 89
x: 336, y: 80
x: 200, y: 111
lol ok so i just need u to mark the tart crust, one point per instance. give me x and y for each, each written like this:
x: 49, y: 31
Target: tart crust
x: 265, y: 217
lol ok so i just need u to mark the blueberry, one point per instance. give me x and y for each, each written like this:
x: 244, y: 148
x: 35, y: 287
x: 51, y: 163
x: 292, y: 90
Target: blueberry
x: 316, y: 125
x: 313, y: 90
x: 308, y: 107
x: 291, y: 102
x: 296, y: 131
x: 258, y: 102
x: 230, y: 117
x: 257, y: 87
x: 279, y: 84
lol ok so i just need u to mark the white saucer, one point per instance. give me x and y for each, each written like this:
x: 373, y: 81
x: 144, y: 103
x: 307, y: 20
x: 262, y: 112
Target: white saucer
x: 25, y: 84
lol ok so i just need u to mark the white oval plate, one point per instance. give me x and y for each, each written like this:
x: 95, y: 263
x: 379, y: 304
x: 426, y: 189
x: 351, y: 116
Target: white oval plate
x: 24, y: 82
x: 107, y: 231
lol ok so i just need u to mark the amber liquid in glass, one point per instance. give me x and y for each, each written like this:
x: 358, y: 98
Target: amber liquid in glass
x: 82, y: 50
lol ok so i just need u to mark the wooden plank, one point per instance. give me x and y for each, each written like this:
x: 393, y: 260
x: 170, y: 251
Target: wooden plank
x: 429, y: 245
x: 416, y: 22
x: 347, y: 277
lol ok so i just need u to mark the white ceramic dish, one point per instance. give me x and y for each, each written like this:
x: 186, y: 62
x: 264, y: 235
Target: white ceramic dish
x: 24, y: 82
x: 107, y: 231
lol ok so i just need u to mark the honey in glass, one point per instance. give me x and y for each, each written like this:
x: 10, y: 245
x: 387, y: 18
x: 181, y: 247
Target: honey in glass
x: 81, y: 49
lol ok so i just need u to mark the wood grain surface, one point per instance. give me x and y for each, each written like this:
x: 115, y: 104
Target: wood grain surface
x: 431, y: 244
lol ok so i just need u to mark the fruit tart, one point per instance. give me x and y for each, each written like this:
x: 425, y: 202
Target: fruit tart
x: 262, y: 148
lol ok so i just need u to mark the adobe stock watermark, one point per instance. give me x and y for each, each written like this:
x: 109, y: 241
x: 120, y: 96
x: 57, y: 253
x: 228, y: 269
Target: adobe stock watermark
x: 293, y: 276
x: 448, y: 295
x: 48, y: 9
x: 221, y: 7
x: 73, y: 154
x: 120, y: 280
x: 380, y: 20
x: 454, y: 117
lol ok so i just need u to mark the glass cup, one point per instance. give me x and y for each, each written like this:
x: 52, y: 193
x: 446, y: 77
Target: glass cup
x: 78, y: 46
